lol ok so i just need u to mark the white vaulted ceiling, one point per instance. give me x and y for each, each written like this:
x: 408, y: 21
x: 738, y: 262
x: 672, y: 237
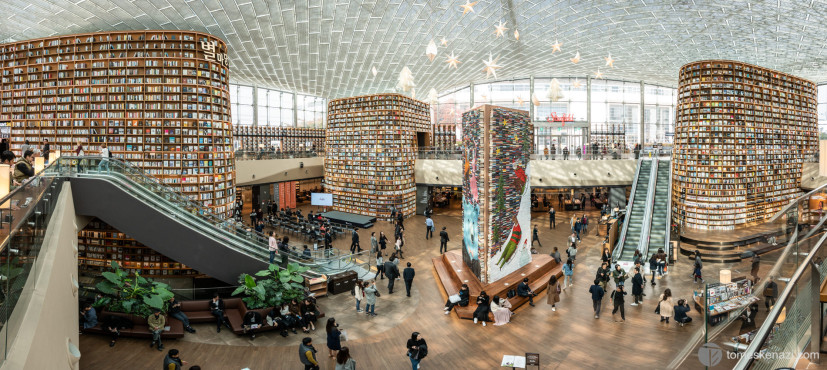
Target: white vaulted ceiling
x: 327, y: 47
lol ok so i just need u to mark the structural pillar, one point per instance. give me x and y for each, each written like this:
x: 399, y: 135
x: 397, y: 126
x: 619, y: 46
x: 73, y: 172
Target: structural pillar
x: 642, y: 116
x: 295, y: 110
x: 589, y: 104
x: 255, y: 105
x: 531, y: 100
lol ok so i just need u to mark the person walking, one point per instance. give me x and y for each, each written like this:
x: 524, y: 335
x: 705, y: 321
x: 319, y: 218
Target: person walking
x: 429, y: 228
x: 535, y: 237
x: 770, y: 293
x: 104, y: 161
x: 380, y: 267
x: 606, y: 257
x: 568, y: 273
x: 417, y: 349
x: 399, y: 243
x: 358, y: 294
x: 408, y: 275
x: 392, y: 272
x: 552, y: 221
x: 370, y: 298
x: 578, y: 226
x: 307, y: 354
x: 697, y: 273
x: 344, y: 361
x: 560, y: 200
x: 572, y: 251
x: 354, y: 242
x: 666, y: 305
x: 756, y: 264
x: 173, y: 361
x: 46, y: 150
x: 443, y: 241
x: 597, y: 293
x: 584, y: 222
x: 653, y: 266
x: 637, y: 287
x: 618, y: 300
x: 334, y: 337
x: 661, y: 262
x: 565, y: 153
x: 553, y: 292
x: 545, y: 152
x: 272, y: 246
x: 383, y: 242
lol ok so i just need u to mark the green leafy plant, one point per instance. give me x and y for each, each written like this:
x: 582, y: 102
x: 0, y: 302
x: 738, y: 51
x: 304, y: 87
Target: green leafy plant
x: 131, y: 293
x: 273, y: 287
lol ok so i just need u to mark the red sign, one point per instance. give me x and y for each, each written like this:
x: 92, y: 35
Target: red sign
x: 554, y: 117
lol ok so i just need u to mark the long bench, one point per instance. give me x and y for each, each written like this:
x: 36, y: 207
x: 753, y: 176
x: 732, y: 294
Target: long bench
x: 140, y: 327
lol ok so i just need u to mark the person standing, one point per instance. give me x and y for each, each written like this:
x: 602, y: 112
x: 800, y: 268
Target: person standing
x: 374, y: 244
x: 535, y: 237
x: 568, y: 273
x: 756, y: 264
x: 619, y: 275
x: 344, y: 361
x: 545, y: 152
x: 523, y: 290
x: 358, y: 294
x: 618, y: 300
x: 380, y: 267
x: 175, y: 311
x: 603, y: 276
x: 560, y: 200
x: 597, y: 293
x: 417, y: 349
x: 637, y: 287
x: 392, y: 272
x: 46, y: 149
x: 172, y: 361
x: 552, y: 222
x: 666, y: 306
x: 307, y: 354
x: 770, y: 293
x: 104, y: 161
x: 408, y: 275
x: 553, y: 292
x: 565, y: 153
x: 156, y: 323
x: 354, y: 242
x: 400, y: 242
x: 606, y: 257
x: 578, y: 226
x: 653, y: 266
x: 334, y: 337
x: 383, y: 242
x: 443, y: 241
x: 429, y: 228
x: 370, y: 298
x: 273, y: 246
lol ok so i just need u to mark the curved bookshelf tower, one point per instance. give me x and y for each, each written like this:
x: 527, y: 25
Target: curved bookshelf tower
x: 742, y: 133
x: 159, y: 99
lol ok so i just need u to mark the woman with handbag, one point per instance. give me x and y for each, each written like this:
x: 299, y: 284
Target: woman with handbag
x: 553, y: 291
x: 665, y: 307
x: 417, y: 349
x: 501, y: 309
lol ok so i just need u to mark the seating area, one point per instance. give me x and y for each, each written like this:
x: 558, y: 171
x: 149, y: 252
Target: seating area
x: 452, y: 273
x: 139, y: 329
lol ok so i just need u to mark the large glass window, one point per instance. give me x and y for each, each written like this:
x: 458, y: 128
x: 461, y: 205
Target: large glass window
x: 311, y: 111
x: 659, y: 113
x: 241, y: 100
x: 822, y: 112
x: 615, y: 112
x: 275, y: 108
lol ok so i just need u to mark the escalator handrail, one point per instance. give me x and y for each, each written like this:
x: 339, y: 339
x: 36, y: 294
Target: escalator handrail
x: 618, y: 250
x: 649, y: 207
x: 668, y: 232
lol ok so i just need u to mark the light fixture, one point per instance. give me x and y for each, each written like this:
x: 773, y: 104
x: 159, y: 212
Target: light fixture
x: 726, y: 276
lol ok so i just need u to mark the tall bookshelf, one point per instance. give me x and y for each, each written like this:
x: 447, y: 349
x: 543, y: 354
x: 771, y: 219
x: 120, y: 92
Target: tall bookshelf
x: 741, y: 136
x: 159, y: 99
x: 445, y: 136
x: 291, y: 139
x: 370, y: 150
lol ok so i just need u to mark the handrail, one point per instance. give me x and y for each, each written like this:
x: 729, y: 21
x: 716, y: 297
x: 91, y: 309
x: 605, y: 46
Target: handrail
x: 794, y: 202
x: 619, y: 246
x: 668, y: 234
x: 764, y: 331
x: 643, y: 241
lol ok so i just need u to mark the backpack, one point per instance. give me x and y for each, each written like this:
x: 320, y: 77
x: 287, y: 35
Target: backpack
x: 421, y: 352
x: 511, y: 293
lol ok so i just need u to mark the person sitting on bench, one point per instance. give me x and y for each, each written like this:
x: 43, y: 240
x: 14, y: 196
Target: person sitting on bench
x: 464, y: 299
x: 252, y: 321
x: 524, y: 291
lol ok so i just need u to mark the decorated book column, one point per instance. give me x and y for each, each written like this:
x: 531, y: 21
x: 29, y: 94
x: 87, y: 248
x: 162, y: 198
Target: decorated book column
x: 496, y: 204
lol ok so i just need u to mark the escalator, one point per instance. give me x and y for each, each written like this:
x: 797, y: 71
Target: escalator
x: 659, y: 229
x: 635, y: 226
x: 166, y: 221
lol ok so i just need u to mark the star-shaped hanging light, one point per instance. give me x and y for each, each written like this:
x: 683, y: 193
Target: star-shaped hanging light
x: 500, y: 29
x: 444, y: 42
x: 520, y: 101
x: 452, y: 60
x: 555, y: 47
x: 517, y: 35
x: 468, y: 7
x: 610, y: 62
x: 491, y: 67
x: 431, y: 50
x: 576, y: 84
x: 598, y: 74
x: 576, y: 58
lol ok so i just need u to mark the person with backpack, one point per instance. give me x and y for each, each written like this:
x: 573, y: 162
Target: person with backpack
x: 417, y: 349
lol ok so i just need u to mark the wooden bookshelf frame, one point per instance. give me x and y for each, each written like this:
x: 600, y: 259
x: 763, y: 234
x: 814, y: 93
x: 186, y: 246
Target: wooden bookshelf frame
x: 293, y: 139
x: 370, y: 152
x: 742, y: 134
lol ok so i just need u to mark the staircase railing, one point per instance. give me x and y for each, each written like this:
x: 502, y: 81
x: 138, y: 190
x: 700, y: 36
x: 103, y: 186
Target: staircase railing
x: 629, y: 204
x: 643, y: 242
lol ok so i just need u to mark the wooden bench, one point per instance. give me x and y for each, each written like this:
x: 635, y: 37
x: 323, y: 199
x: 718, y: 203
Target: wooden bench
x: 263, y: 311
x: 199, y: 311
x: 140, y: 327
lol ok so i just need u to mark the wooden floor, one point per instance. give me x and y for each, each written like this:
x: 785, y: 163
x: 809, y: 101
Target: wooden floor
x: 569, y: 338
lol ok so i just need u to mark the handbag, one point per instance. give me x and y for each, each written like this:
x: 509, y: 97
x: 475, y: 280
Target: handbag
x: 378, y: 294
x: 454, y: 298
x: 343, y: 334
x: 657, y: 309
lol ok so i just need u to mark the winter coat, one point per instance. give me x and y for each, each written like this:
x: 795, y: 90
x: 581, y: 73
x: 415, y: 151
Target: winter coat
x: 553, y: 293
x: 667, y: 308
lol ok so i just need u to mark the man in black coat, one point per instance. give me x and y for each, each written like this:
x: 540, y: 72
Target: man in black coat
x: 217, y: 310
x: 552, y: 222
x: 443, y: 241
x: 408, y: 275
x: 392, y: 272
x: 524, y: 291
x: 354, y: 243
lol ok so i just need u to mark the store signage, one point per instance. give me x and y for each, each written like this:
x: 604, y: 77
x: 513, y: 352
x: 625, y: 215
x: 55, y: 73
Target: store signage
x: 554, y: 117
x: 209, y: 53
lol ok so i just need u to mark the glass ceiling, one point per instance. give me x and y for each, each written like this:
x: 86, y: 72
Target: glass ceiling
x: 329, y: 47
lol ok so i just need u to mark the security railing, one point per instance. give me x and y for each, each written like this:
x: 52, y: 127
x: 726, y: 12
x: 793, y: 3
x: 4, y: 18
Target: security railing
x: 245, y: 155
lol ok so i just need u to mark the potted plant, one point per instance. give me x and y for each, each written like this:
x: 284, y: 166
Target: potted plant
x: 274, y: 286
x: 131, y: 293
